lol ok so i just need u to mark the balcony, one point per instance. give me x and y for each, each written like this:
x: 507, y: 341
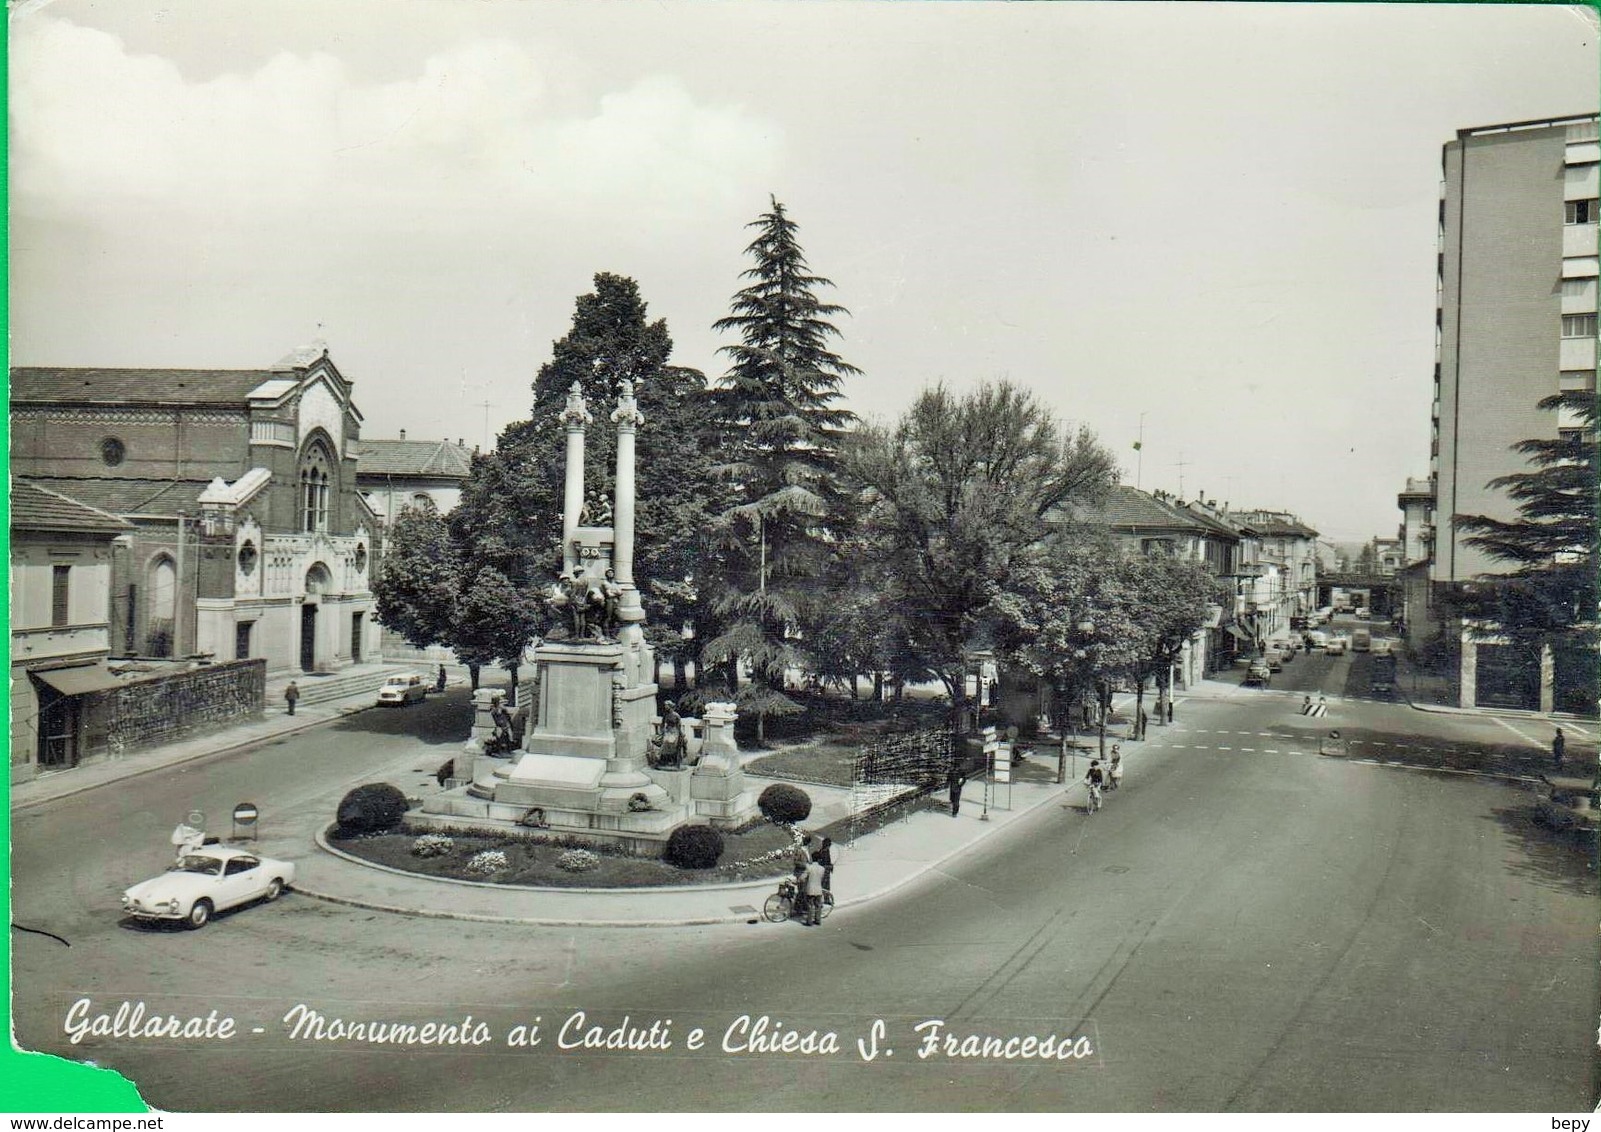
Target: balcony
x: 1579, y: 240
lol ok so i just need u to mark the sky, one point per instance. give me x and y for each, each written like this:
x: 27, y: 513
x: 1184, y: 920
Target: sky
x: 1210, y: 226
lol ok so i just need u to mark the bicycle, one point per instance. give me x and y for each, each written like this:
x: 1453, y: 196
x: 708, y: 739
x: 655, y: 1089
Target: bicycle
x: 783, y: 904
x: 1095, y: 799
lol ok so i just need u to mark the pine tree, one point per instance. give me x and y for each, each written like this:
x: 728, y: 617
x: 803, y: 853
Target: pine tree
x: 778, y: 399
x: 1550, y: 597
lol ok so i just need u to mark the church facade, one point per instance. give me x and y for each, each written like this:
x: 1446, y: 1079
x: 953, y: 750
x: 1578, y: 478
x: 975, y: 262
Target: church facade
x: 250, y: 537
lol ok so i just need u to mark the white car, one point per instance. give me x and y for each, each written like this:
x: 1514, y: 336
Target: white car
x: 1382, y: 646
x: 1336, y: 646
x: 208, y: 880
x: 403, y: 689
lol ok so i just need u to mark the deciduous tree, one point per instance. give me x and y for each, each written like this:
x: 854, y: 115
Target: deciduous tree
x: 958, y: 493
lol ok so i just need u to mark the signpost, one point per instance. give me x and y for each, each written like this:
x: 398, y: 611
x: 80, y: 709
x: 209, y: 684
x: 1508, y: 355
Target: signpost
x: 244, y: 817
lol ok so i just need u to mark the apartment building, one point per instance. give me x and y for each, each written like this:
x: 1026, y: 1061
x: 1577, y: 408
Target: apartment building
x: 1516, y: 287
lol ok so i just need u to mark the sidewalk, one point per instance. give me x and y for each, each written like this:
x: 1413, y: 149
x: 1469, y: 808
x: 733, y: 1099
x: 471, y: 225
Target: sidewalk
x: 102, y: 770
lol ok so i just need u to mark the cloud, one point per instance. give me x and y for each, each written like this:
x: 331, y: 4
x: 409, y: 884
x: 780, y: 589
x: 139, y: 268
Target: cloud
x: 476, y: 131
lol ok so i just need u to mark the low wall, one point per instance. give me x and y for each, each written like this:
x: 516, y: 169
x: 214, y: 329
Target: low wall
x: 160, y: 709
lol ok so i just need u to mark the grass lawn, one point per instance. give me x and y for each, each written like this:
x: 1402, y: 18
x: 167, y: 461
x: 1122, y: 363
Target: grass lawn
x: 830, y: 762
x: 534, y: 863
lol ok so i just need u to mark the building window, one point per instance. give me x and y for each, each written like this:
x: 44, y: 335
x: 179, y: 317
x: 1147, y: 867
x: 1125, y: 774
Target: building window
x: 112, y: 451
x: 1578, y: 326
x: 314, y: 494
x: 241, y: 639
x: 421, y: 500
x: 1581, y: 212
x: 247, y: 558
x: 60, y: 596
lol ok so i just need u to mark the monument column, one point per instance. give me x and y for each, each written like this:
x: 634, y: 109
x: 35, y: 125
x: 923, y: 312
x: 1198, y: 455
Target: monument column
x: 575, y: 416
x: 628, y: 419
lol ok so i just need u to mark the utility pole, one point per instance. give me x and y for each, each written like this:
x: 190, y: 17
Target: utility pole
x: 485, y: 406
x: 1139, y: 454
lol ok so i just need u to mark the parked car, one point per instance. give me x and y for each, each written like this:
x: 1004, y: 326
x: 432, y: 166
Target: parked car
x: 1570, y: 803
x: 206, y: 881
x: 1258, y: 674
x: 1361, y: 612
x: 406, y: 688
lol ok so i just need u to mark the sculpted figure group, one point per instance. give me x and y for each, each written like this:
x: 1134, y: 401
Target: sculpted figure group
x: 592, y: 604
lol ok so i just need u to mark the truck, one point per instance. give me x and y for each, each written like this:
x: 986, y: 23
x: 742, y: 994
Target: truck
x: 1381, y: 677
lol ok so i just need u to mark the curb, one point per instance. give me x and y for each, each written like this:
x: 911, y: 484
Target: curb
x: 82, y: 788
x: 922, y: 870
x: 321, y: 839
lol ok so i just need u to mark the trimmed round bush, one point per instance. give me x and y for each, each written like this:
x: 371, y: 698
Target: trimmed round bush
x: 693, y: 847
x: 371, y: 808
x: 784, y: 804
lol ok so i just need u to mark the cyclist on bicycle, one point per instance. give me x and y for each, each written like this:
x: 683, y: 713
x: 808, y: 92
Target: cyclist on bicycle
x: 1095, y: 779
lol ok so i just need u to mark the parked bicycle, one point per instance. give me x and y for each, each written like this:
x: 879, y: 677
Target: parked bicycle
x: 786, y: 903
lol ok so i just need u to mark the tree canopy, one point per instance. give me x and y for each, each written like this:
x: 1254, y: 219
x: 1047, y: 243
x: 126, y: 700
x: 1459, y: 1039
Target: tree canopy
x: 1550, y: 595
x: 958, y: 493
x: 777, y: 403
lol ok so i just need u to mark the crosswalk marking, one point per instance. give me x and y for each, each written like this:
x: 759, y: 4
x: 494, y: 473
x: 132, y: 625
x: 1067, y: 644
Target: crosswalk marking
x: 1225, y: 748
x: 1252, y: 750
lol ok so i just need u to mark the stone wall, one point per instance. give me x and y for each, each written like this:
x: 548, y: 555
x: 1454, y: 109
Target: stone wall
x: 163, y: 708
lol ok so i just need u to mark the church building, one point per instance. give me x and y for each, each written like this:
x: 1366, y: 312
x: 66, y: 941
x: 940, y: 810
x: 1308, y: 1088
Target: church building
x: 249, y: 535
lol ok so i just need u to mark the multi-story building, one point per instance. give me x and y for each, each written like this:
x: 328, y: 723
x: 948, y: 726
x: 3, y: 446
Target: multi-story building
x: 1516, y: 289
x: 250, y: 538
x: 61, y: 553
x: 1291, y: 546
x: 1419, y: 623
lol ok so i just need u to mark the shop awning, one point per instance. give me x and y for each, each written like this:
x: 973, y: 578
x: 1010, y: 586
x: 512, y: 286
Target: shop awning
x: 79, y: 681
x: 1239, y: 634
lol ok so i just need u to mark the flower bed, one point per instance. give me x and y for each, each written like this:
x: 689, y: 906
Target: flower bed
x: 760, y: 851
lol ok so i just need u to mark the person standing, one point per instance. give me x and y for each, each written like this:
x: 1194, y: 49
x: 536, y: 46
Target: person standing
x: 953, y: 782
x: 802, y: 858
x: 825, y: 857
x: 1145, y: 721
x: 813, y: 887
x: 292, y: 696
x: 1559, y: 748
x: 439, y: 684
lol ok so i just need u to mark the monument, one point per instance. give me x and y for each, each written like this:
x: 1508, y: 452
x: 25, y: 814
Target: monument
x: 585, y: 764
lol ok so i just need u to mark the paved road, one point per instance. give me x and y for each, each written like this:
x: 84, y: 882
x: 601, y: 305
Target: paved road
x: 1245, y: 926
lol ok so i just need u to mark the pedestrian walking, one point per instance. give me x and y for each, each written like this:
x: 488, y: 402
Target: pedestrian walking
x: 1306, y: 706
x: 1145, y: 721
x: 292, y: 696
x: 439, y: 684
x: 825, y: 857
x: 1114, y: 774
x: 953, y: 782
x: 1559, y: 748
x: 814, y: 894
